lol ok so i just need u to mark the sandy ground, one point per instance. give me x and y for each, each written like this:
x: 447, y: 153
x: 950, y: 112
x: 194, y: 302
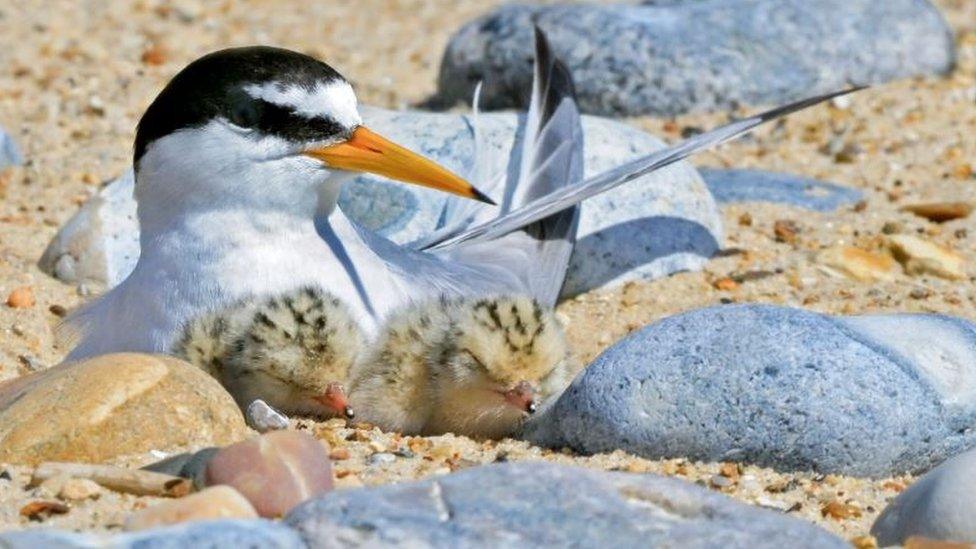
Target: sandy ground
x: 75, y: 77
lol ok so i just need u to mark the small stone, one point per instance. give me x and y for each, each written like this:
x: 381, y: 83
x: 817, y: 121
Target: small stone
x: 275, y: 471
x: 745, y: 219
x: 725, y: 284
x: 21, y: 298
x: 58, y: 310
x: 263, y: 418
x: 155, y: 55
x: 919, y: 257
x: 729, y: 470
x: 786, y: 231
x: 893, y: 227
x: 920, y: 293
x: 858, y: 264
x: 919, y: 542
x: 339, y: 454
x: 864, y: 542
x: 79, y: 489
x: 381, y: 458
x: 217, y: 502
x: 31, y: 362
x: 840, y: 510
x: 404, y: 453
x: 719, y: 481
x: 40, y: 510
x: 940, y: 212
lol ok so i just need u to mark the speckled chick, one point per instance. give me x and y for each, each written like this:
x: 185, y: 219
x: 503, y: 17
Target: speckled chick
x: 293, y: 350
x: 475, y: 367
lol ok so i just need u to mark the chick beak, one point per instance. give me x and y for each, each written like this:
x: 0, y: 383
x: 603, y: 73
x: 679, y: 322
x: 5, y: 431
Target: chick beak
x: 521, y: 396
x: 366, y: 151
x: 334, y: 398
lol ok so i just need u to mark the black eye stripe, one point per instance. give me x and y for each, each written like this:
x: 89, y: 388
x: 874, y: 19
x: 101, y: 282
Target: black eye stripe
x: 284, y: 122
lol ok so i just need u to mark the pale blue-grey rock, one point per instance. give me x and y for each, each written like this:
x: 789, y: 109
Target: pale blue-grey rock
x: 729, y: 186
x: 523, y: 505
x: 871, y: 395
x: 202, y: 534
x: 9, y: 154
x: 940, y: 505
x: 653, y: 226
x: 673, y: 57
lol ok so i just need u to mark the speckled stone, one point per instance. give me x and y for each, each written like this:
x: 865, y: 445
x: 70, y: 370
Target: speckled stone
x: 674, y: 57
x: 112, y: 405
x: 730, y: 186
x: 199, y: 535
x: 546, y: 505
x: 9, y: 154
x: 656, y: 225
x: 872, y: 395
x: 940, y: 505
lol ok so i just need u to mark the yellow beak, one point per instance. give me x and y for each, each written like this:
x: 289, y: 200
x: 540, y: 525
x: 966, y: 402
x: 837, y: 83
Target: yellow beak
x: 368, y: 152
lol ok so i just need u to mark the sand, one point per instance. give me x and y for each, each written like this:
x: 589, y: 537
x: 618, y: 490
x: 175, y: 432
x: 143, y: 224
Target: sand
x: 75, y: 77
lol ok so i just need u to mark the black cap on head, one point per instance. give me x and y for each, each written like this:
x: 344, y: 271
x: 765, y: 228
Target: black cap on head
x: 213, y: 86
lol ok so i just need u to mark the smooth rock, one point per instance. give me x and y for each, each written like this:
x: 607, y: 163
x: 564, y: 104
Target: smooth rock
x: 545, y: 505
x: 653, y: 226
x: 711, y: 55
x: 77, y: 489
x: 113, y: 405
x: 730, y: 186
x: 198, y: 535
x: 940, y: 212
x: 218, y: 502
x: 9, y: 154
x: 941, y: 505
x: 263, y: 418
x: 921, y: 257
x: 275, y: 471
x: 858, y: 264
x: 191, y: 465
x: 873, y: 395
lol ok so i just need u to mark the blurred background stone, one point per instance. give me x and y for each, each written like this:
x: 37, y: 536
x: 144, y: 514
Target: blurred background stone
x: 671, y: 58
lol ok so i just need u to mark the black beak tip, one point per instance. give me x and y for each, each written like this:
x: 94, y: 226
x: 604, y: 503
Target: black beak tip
x: 481, y: 197
x: 349, y: 413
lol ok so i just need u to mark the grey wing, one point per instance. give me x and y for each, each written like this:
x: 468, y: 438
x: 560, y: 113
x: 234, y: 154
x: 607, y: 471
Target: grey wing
x: 551, y: 158
x: 571, y: 195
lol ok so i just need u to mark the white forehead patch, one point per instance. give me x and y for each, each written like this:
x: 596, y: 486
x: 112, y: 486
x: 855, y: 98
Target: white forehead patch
x: 334, y: 99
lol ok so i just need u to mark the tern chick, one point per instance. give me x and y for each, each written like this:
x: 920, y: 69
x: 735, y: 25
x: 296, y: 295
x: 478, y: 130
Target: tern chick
x: 469, y: 366
x: 292, y: 350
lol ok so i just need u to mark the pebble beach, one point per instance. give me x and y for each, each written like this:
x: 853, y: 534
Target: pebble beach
x: 75, y: 77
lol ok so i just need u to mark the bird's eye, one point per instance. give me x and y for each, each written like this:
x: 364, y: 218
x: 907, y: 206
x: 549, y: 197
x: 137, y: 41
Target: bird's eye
x: 245, y: 114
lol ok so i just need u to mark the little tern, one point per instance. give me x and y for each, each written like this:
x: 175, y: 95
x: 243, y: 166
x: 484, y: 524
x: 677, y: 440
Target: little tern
x: 238, y: 165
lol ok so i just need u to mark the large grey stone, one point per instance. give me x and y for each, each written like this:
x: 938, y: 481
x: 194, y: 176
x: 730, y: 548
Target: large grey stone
x: 9, y: 154
x: 940, y: 505
x: 728, y: 186
x: 870, y: 395
x: 546, y: 505
x: 673, y: 57
x: 216, y: 534
x: 653, y: 226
